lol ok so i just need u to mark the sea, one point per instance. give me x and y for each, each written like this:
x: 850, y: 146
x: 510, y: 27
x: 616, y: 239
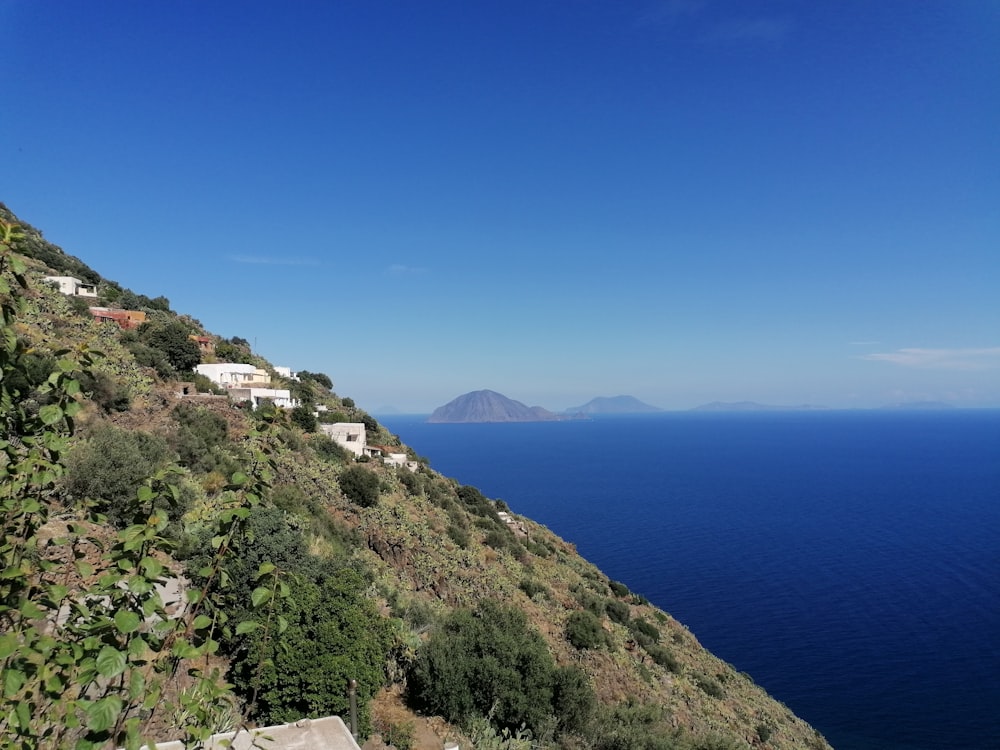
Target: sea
x: 849, y: 561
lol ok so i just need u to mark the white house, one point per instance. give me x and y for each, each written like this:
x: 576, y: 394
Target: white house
x: 280, y: 397
x: 399, y: 459
x: 234, y: 374
x: 72, y: 286
x: 286, y: 372
x: 391, y: 456
x: 351, y: 435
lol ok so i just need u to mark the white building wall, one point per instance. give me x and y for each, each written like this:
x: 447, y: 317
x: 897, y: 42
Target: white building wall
x: 72, y: 286
x: 227, y: 374
x: 351, y: 435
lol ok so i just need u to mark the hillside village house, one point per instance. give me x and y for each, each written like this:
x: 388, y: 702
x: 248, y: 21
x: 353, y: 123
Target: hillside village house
x: 350, y: 435
x: 354, y: 437
x: 72, y: 286
x: 280, y: 397
x: 247, y: 383
x: 125, y: 319
x: 392, y: 456
x: 234, y: 374
x: 206, y: 345
x: 286, y: 372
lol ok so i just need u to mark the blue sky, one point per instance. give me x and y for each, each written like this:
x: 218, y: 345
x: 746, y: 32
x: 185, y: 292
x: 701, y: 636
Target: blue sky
x: 683, y: 200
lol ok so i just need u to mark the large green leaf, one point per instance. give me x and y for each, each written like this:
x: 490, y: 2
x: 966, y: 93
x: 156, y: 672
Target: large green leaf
x: 127, y: 622
x: 110, y: 661
x: 50, y: 414
x: 102, y: 714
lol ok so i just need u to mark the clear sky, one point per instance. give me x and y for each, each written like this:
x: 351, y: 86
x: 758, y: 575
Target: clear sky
x: 680, y: 200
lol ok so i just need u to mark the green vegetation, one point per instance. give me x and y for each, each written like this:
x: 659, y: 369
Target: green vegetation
x: 172, y: 339
x: 98, y: 675
x: 109, y: 468
x: 307, y: 568
x: 360, y: 486
x: 584, y: 630
x: 489, y: 661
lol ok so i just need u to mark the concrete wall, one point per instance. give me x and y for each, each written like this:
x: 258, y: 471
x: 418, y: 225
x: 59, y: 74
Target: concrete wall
x: 351, y: 435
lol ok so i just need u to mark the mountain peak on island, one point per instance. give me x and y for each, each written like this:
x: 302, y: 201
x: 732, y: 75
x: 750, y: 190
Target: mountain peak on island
x: 613, y: 405
x: 490, y: 406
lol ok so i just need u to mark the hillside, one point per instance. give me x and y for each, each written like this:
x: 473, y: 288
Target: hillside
x: 127, y: 475
x: 490, y: 406
x: 613, y: 405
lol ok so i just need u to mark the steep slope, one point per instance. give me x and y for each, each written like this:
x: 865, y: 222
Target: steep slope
x: 426, y: 546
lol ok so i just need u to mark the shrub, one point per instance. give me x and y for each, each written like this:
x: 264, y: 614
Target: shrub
x: 485, y: 662
x: 502, y: 539
x: 640, y: 627
x: 104, y: 391
x: 572, y: 698
x: 203, y: 384
x: 200, y: 439
x: 329, y: 449
x: 618, y: 612
x: 398, y: 735
x: 537, y: 549
x: 663, y: 656
x: 709, y: 686
x: 147, y: 356
x: 110, y: 467
x: 360, y: 486
x: 411, y: 481
x: 633, y: 726
x: 531, y: 587
x: 459, y: 535
x: 593, y: 603
x: 619, y: 589
x: 584, y: 631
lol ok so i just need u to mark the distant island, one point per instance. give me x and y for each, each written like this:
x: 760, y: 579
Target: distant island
x: 613, y: 405
x: 753, y: 406
x: 920, y: 405
x: 490, y: 406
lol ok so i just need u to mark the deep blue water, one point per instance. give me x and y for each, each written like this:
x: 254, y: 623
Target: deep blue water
x: 849, y: 561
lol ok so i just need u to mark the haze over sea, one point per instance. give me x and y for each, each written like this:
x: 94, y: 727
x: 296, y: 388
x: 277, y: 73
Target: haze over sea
x: 848, y: 561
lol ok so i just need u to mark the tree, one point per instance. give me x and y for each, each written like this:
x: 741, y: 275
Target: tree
x: 304, y: 418
x: 228, y: 351
x: 334, y: 634
x: 172, y: 338
x: 298, y: 656
x: 486, y: 662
